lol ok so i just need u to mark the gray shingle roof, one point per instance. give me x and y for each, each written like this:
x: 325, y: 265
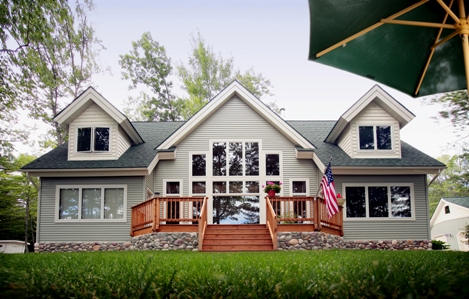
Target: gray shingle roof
x: 137, y: 156
x: 316, y: 132
x: 462, y: 201
x: 154, y: 133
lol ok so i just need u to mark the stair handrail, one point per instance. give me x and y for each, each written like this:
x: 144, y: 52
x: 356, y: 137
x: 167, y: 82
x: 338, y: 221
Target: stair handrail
x: 202, y: 223
x: 271, y: 222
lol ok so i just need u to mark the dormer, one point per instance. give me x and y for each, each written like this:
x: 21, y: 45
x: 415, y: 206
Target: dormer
x: 96, y: 129
x: 371, y: 127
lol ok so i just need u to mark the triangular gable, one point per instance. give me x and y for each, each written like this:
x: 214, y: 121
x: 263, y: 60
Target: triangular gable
x: 380, y: 97
x: 452, y: 202
x: 85, y: 100
x: 236, y: 89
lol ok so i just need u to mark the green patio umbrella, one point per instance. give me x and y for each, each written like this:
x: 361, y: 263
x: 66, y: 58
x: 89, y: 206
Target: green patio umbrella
x: 418, y: 47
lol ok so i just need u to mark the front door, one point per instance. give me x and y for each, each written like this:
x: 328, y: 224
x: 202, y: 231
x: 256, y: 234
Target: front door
x: 236, y: 210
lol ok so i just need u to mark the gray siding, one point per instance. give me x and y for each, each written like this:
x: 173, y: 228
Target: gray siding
x: 50, y: 231
x: 235, y: 121
x: 382, y: 229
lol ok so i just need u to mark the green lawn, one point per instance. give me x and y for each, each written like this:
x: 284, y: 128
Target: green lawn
x: 169, y: 274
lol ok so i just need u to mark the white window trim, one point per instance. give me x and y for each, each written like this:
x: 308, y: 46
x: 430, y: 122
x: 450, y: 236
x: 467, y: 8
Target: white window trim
x: 299, y: 180
x: 180, y: 187
x: 368, y: 218
x: 206, y: 164
x: 374, y: 125
x: 80, y: 187
x: 92, y: 139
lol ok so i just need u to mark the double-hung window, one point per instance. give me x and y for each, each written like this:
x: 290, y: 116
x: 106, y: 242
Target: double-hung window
x: 93, y: 139
x: 91, y: 203
x: 375, y: 137
x: 379, y: 201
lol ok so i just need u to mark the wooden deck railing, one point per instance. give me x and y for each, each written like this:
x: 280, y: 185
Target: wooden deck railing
x: 307, y: 210
x: 147, y: 216
x: 202, y: 223
x: 272, y: 223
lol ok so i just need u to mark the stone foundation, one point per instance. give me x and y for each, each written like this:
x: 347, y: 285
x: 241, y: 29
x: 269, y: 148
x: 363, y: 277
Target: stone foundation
x: 189, y: 241
x: 318, y: 240
x: 154, y: 241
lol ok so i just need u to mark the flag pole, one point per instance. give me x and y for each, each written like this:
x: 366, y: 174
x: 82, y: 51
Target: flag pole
x: 319, y: 187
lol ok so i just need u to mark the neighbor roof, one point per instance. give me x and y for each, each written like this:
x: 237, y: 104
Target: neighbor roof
x: 462, y: 201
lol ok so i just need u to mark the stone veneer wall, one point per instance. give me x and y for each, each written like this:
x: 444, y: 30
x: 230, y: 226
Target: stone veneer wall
x: 318, y: 240
x: 189, y: 241
x: 154, y: 241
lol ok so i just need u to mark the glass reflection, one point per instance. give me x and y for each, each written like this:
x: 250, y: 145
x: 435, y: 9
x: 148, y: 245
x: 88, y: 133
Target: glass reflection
x: 355, y: 202
x: 236, y: 209
x: 219, y: 159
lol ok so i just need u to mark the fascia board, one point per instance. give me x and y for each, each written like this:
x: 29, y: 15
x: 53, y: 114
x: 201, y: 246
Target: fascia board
x: 338, y: 170
x: 87, y: 172
x: 65, y: 117
x: 235, y: 88
x: 437, y: 212
x: 384, y: 100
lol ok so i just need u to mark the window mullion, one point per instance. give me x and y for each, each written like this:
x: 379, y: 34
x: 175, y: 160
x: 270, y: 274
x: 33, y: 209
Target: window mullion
x: 367, y: 202
x: 389, y: 202
x: 375, y: 137
x: 80, y: 199
x: 102, y: 203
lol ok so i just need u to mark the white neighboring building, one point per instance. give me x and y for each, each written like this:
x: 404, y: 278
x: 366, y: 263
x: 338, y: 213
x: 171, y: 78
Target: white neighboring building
x: 12, y: 246
x: 448, y: 222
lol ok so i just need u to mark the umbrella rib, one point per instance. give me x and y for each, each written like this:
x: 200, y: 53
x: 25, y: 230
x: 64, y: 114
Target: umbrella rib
x: 415, y: 23
x: 436, y: 44
x: 366, y: 30
x: 449, y: 11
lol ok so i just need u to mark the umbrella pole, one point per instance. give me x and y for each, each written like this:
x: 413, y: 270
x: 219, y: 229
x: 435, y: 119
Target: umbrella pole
x: 464, y: 33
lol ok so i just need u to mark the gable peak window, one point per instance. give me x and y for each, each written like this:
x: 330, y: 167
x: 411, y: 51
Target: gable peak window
x: 93, y: 139
x: 375, y: 137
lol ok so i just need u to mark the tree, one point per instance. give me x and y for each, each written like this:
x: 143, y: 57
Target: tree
x: 60, y: 67
x: 147, y: 64
x: 23, y: 25
x: 452, y: 182
x: 207, y: 74
x: 18, y: 202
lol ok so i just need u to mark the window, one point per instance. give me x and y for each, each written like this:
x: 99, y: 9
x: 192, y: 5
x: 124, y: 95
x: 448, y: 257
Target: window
x: 235, y: 159
x: 298, y: 187
x: 91, y: 203
x: 447, y: 211
x: 93, y: 139
x: 272, y: 164
x: 199, y: 165
x: 380, y: 201
x: 198, y: 187
x: 375, y: 137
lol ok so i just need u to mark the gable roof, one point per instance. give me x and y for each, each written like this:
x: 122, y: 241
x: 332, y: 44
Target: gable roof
x: 85, y: 100
x: 461, y: 201
x: 383, y: 99
x: 238, y: 90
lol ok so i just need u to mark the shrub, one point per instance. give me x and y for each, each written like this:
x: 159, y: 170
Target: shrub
x: 439, y: 245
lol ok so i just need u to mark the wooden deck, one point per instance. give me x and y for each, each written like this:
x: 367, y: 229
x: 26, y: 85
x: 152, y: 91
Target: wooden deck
x: 284, y: 214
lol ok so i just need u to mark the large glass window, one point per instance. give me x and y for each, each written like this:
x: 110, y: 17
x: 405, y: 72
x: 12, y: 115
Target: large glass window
x: 386, y: 201
x: 199, y: 165
x: 198, y: 188
x: 236, y: 158
x: 91, y: 203
x: 98, y: 137
x: 236, y: 209
x: 252, y: 158
x: 219, y: 159
x: 272, y: 164
x: 375, y: 137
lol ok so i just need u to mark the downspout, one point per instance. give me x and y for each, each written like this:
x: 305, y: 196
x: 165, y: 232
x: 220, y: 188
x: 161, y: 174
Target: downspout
x: 435, y: 177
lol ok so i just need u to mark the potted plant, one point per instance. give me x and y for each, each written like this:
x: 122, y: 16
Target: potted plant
x: 340, y: 199
x: 271, y: 188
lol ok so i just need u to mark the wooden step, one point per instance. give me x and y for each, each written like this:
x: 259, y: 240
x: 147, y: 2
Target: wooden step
x: 237, y: 247
x: 236, y: 237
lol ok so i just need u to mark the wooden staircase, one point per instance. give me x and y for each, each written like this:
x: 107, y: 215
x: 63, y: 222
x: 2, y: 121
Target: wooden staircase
x: 238, y: 237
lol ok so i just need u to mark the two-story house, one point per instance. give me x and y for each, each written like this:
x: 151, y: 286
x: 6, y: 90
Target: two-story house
x: 225, y: 153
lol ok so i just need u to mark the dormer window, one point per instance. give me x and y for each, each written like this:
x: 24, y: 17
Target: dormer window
x: 93, y: 139
x: 375, y: 137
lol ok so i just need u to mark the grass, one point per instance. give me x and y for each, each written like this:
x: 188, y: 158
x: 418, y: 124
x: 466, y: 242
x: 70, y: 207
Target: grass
x: 156, y: 274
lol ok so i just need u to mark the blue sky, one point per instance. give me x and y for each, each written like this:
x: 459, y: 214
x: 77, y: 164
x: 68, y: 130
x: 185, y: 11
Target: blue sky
x: 270, y: 36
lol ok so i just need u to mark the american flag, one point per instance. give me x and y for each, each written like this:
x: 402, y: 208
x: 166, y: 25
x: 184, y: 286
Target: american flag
x: 328, y: 191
